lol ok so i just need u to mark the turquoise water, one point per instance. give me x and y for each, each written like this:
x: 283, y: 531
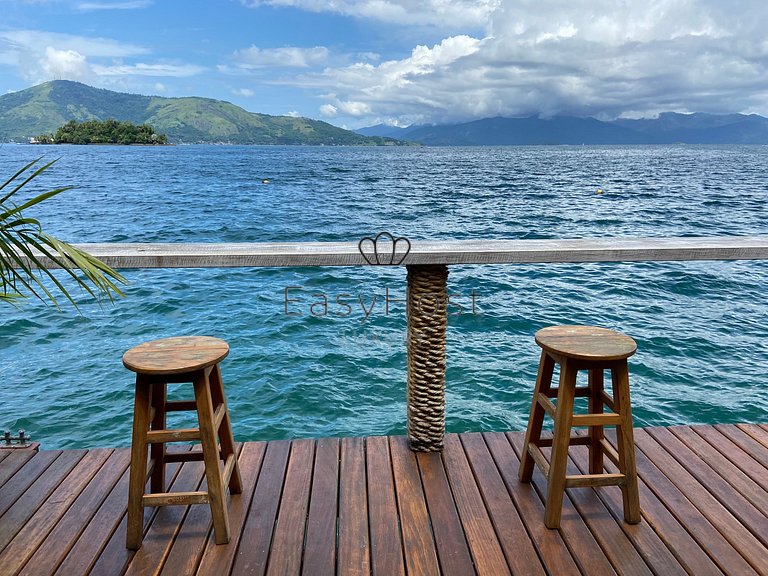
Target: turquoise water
x: 701, y: 327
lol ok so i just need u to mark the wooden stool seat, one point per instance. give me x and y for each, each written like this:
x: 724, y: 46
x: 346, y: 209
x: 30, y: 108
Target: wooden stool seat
x: 593, y: 349
x: 175, y: 355
x: 192, y: 359
x: 586, y: 343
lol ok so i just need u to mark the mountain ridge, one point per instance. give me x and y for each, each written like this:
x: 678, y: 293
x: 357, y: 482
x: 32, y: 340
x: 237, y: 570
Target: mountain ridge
x: 668, y: 128
x: 43, y: 108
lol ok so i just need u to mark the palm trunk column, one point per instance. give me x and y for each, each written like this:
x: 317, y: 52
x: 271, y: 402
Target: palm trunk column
x: 427, y: 312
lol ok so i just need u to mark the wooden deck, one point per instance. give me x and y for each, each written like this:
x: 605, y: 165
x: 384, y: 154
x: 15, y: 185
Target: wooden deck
x: 370, y: 506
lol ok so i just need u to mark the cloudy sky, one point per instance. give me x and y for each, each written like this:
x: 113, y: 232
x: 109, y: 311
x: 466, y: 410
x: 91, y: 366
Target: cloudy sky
x: 356, y: 63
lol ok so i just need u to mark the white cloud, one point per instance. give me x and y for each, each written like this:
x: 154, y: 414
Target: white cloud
x: 37, y: 41
x: 42, y: 56
x: 247, y: 92
x: 160, y: 88
x: 64, y: 64
x: 549, y: 57
x: 329, y: 110
x: 439, y: 13
x: 289, y: 56
x: 293, y: 114
x: 143, y: 69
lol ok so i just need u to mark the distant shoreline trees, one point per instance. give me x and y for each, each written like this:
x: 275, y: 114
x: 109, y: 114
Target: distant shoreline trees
x: 102, y: 132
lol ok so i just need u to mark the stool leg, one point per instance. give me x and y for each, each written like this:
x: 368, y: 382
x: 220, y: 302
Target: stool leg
x: 626, y: 443
x: 536, y: 417
x: 225, y: 429
x: 596, y: 433
x: 561, y: 439
x: 213, y: 475
x: 157, y: 449
x: 138, y: 474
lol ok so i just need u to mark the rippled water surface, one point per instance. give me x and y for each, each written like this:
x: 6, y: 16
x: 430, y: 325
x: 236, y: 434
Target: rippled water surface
x: 701, y: 327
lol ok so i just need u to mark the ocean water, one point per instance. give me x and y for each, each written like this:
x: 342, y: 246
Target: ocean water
x: 297, y: 370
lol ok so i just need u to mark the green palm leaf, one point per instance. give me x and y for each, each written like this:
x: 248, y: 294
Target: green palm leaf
x: 28, y: 254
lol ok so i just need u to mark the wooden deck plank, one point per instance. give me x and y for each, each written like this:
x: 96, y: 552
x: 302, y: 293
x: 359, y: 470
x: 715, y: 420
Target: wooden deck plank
x: 38, y: 492
x: 608, y: 533
x: 686, y: 498
x: 450, y: 542
x: 725, y: 494
x: 517, y: 547
x: 576, y: 534
x: 650, y: 535
x: 746, y: 442
x: 483, y: 544
x: 114, y: 557
x: 734, y: 454
x: 759, y: 433
x: 217, y: 560
x: 418, y: 542
x: 190, y: 542
x: 13, y: 461
x: 288, y: 538
x: 165, y: 525
x: 732, y: 476
x: 320, y: 547
x: 69, y: 529
x: 31, y: 469
x: 549, y: 544
x: 386, y: 541
x: 413, y: 513
x: 36, y: 528
x: 253, y: 552
x: 354, y: 546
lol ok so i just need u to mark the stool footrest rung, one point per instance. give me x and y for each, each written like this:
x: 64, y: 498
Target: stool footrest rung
x: 608, y: 400
x: 175, y: 498
x: 546, y: 442
x: 229, y: 466
x: 596, y: 420
x: 187, y: 456
x: 547, y: 404
x: 539, y: 458
x: 180, y: 405
x: 586, y: 480
x: 177, y: 435
x: 218, y: 415
x: 609, y: 451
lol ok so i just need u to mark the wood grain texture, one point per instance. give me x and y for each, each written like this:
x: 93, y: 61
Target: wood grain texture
x: 483, y: 544
x: 418, y: 542
x: 452, y: 549
x: 288, y: 539
x: 386, y: 542
x: 177, y: 355
x: 354, y: 546
x: 320, y: 546
x: 463, y: 512
x: 221, y: 255
x: 36, y: 528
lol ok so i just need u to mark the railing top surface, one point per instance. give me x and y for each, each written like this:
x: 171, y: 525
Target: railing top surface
x: 289, y: 254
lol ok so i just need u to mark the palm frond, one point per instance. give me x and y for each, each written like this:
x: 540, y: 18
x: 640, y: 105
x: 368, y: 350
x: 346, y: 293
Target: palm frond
x: 28, y: 255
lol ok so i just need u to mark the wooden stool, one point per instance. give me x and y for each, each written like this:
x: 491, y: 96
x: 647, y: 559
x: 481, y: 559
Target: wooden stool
x: 192, y: 359
x: 577, y: 348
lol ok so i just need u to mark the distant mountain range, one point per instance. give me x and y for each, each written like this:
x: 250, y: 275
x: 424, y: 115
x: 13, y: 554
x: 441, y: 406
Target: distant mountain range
x: 668, y: 128
x: 44, y: 108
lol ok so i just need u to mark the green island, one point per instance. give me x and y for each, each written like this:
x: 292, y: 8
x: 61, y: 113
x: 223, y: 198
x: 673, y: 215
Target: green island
x: 108, y: 131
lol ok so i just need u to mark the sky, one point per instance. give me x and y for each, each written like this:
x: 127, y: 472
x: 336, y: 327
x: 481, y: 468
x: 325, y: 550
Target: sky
x: 357, y: 63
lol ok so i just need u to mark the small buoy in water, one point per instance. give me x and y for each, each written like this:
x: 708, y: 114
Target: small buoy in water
x: 265, y: 181
x: 599, y: 191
